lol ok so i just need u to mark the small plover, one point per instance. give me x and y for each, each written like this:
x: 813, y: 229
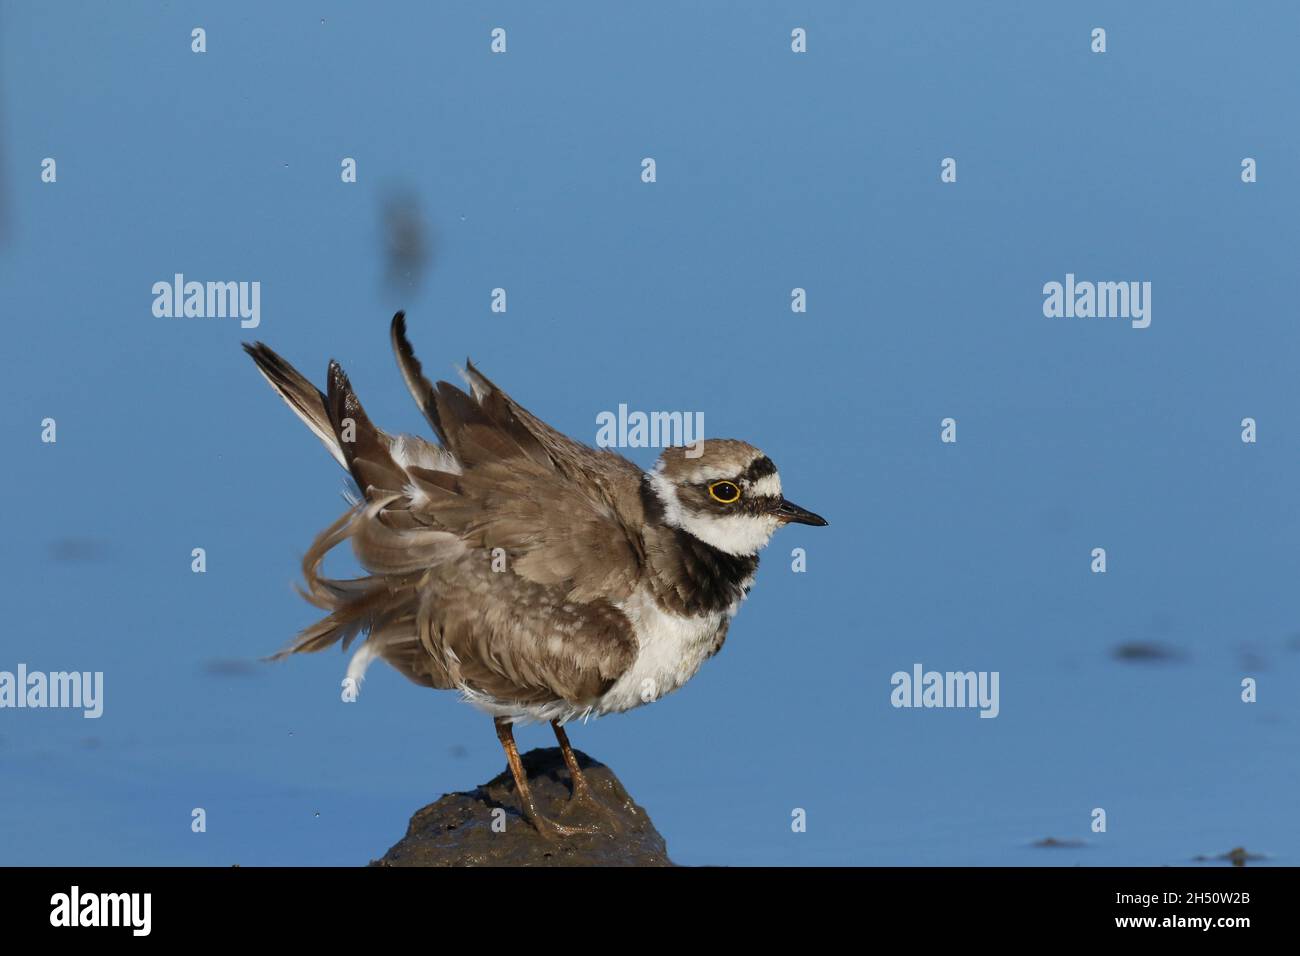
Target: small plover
x: 541, y: 578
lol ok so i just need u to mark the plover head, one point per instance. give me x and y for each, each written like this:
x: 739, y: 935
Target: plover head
x: 726, y: 493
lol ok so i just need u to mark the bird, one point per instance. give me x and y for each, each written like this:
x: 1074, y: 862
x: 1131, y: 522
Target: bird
x: 542, y: 579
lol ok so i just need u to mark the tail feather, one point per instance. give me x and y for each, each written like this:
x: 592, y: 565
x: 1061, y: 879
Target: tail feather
x: 420, y: 387
x: 378, y: 609
x: 356, y: 605
x: 306, y: 401
x: 381, y: 607
x: 366, y: 449
x: 473, y: 428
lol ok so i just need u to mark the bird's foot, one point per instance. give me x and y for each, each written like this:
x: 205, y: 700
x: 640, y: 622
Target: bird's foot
x: 584, y: 801
x: 554, y: 830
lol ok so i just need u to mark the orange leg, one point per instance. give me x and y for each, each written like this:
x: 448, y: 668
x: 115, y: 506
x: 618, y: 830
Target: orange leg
x: 581, y: 795
x: 581, y: 791
x: 545, y: 826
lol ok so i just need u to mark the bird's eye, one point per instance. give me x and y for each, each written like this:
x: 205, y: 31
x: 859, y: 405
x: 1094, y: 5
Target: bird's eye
x: 724, y: 491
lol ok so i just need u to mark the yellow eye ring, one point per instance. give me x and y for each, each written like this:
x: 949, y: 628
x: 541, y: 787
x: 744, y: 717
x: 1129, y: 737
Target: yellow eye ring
x: 724, y: 492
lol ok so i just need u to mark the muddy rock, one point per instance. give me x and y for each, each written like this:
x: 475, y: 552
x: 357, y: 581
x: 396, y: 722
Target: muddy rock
x: 457, y: 830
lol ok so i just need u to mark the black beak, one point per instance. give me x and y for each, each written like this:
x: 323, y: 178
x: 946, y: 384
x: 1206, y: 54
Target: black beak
x: 791, y: 513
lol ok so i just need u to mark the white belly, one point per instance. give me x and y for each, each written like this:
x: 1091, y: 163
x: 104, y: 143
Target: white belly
x: 671, y: 650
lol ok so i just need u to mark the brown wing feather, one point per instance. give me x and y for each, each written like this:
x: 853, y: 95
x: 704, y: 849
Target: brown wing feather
x: 586, y: 467
x: 502, y: 635
x: 567, y: 515
x: 437, y: 603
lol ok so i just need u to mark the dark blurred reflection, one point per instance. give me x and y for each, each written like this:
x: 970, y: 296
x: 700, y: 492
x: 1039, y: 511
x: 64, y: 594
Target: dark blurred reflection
x: 1147, y: 652
x: 229, y: 667
x: 79, y: 550
x: 407, y: 243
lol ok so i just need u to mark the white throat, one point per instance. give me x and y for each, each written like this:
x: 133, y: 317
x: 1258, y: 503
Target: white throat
x: 733, y: 534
